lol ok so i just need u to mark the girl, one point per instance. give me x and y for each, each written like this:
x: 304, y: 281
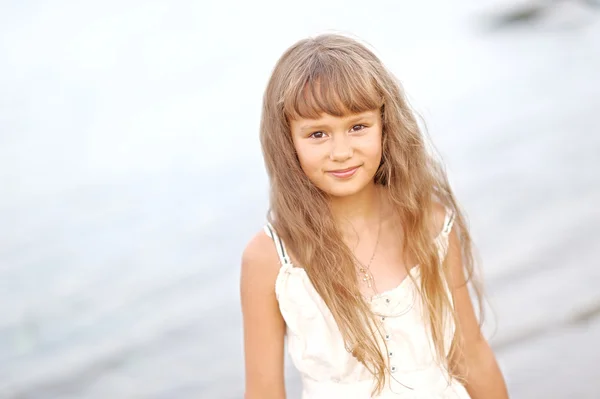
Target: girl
x: 365, y: 262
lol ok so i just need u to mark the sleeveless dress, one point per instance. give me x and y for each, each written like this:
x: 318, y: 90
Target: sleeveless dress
x: 317, y: 349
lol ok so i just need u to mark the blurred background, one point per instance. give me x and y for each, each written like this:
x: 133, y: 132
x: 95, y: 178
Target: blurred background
x: 131, y: 179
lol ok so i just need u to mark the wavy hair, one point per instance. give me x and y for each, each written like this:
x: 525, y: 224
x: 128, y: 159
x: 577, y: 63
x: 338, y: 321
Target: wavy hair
x: 337, y: 75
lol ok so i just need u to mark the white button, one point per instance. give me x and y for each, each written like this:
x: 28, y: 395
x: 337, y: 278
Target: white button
x: 393, y: 369
x: 387, y: 300
x: 391, y: 354
x: 382, y: 318
x: 387, y: 337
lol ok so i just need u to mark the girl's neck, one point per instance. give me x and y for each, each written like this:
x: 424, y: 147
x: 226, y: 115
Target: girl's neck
x: 358, y: 210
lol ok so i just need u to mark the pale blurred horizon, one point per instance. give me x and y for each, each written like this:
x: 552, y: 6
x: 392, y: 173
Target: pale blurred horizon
x: 132, y: 178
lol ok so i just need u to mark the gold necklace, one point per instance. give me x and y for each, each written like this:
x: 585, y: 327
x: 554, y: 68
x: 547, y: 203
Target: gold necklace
x: 365, y: 270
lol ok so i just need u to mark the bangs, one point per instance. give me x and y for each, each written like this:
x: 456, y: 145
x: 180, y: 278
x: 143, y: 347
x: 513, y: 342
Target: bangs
x: 331, y: 85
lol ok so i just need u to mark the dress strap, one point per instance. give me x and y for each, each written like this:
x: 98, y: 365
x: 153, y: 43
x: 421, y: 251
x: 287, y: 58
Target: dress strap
x: 448, y: 222
x: 442, y: 240
x: 279, y: 246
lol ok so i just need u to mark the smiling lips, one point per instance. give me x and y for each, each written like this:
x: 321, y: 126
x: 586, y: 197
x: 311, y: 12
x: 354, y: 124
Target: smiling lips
x: 344, y: 173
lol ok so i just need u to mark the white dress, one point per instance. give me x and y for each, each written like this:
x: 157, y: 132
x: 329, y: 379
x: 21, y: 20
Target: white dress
x: 317, y: 349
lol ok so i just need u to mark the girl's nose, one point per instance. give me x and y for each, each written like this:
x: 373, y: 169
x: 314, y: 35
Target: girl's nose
x: 341, y: 150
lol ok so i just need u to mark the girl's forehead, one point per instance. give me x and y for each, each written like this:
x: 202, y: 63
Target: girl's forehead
x: 340, y: 96
x: 346, y: 116
x: 325, y: 120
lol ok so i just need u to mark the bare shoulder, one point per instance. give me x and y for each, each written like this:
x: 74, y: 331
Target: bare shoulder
x: 439, y: 213
x: 259, y: 259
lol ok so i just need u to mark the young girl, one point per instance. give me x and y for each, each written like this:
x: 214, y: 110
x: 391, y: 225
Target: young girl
x: 365, y: 261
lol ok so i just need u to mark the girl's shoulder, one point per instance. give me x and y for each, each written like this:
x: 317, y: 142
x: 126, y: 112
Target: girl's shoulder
x: 259, y: 259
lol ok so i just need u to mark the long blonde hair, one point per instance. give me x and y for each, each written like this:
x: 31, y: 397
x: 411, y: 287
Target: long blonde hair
x: 337, y: 75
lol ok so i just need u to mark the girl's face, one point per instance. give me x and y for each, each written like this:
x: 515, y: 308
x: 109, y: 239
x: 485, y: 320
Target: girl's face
x: 340, y: 155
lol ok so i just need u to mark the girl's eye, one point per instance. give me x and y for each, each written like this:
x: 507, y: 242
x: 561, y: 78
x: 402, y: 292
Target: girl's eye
x: 357, y: 128
x: 317, y: 135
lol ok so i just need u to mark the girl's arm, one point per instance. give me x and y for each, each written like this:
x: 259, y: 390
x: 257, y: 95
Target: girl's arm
x: 264, y: 327
x: 475, y: 359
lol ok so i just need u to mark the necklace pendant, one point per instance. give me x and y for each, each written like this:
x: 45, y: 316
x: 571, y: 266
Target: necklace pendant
x: 367, y: 278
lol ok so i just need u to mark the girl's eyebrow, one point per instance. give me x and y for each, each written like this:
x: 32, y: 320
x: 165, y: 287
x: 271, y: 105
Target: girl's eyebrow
x: 313, y: 127
x: 352, y: 119
x: 360, y: 117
